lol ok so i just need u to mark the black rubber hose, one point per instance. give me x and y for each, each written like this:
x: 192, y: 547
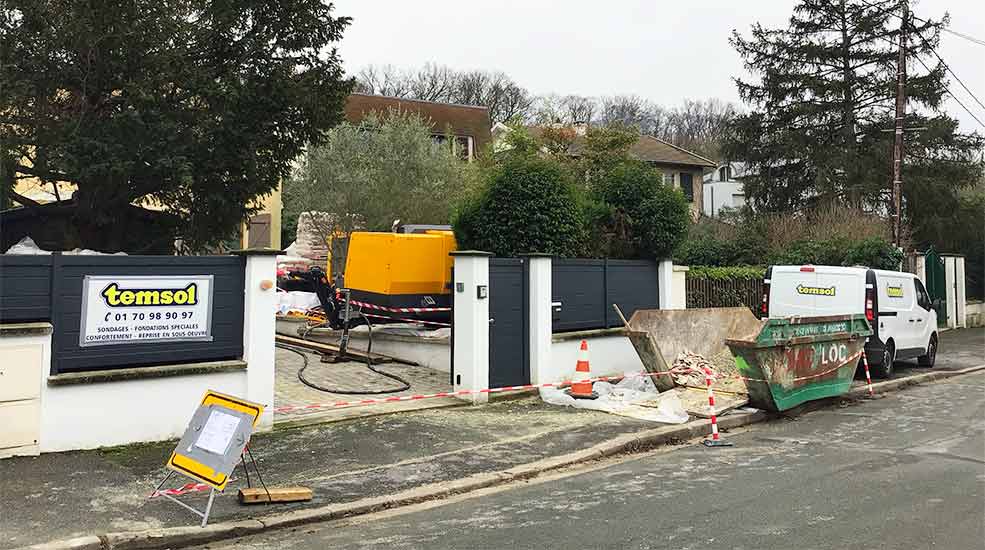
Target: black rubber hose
x: 369, y: 364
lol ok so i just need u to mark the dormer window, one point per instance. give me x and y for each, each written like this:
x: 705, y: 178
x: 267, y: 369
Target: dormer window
x: 725, y: 173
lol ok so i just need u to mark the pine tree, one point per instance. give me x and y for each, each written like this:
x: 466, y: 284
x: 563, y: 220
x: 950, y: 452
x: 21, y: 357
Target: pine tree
x: 822, y: 100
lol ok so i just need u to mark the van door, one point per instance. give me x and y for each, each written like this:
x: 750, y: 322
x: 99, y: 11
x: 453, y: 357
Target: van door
x: 841, y: 291
x: 896, y: 303
x: 924, y: 312
x: 787, y: 295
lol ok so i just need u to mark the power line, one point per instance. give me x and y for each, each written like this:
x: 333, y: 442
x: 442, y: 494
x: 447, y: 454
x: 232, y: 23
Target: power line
x: 939, y: 58
x: 954, y: 97
x: 968, y: 37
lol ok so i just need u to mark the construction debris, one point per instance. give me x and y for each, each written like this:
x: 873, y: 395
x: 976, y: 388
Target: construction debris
x: 691, y: 366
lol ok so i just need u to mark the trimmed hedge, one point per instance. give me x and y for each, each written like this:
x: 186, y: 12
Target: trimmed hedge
x: 729, y: 273
x: 528, y: 204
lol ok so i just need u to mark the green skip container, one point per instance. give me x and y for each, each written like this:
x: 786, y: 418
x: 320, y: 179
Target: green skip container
x: 800, y: 359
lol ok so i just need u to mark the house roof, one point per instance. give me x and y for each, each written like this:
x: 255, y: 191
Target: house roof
x: 463, y: 120
x: 649, y: 149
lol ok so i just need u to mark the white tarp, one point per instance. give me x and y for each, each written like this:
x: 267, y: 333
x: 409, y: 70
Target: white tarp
x: 634, y: 396
x: 27, y: 246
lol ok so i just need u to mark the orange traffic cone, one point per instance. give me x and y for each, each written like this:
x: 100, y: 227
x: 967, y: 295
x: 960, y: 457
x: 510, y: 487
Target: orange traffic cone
x: 582, y: 390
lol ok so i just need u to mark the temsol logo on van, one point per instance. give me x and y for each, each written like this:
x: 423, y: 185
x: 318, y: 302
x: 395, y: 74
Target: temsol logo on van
x: 894, y: 291
x: 122, y: 297
x: 816, y: 290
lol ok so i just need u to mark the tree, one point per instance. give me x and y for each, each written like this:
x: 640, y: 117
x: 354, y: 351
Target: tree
x: 364, y: 176
x: 199, y: 107
x: 698, y: 126
x: 640, y: 216
x: 822, y: 96
x: 505, y: 98
x: 526, y: 203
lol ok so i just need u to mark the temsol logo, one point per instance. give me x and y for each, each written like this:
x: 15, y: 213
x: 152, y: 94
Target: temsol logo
x: 894, y: 291
x: 816, y: 290
x: 122, y: 297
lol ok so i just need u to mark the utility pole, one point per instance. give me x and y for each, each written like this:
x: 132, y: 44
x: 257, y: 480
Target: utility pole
x: 900, y: 114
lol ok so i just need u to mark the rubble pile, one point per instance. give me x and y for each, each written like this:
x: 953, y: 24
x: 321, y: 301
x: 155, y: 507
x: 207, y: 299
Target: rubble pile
x: 722, y: 368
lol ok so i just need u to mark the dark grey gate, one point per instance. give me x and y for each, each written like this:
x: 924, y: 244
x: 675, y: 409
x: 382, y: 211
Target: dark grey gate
x: 509, y: 361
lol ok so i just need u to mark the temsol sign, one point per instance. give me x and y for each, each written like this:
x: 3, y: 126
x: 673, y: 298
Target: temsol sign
x: 134, y: 309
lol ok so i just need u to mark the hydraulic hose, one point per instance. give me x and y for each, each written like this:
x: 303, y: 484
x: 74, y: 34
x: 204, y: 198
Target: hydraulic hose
x: 405, y: 385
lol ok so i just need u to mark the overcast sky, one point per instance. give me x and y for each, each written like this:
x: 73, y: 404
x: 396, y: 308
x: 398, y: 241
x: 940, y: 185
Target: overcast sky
x: 663, y: 50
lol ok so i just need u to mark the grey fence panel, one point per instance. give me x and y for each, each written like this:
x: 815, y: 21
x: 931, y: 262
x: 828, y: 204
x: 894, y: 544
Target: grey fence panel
x: 25, y: 287
x: 632, y: 285
x: 227, y: 311
x: 579, y: 284
x: 587, y: 288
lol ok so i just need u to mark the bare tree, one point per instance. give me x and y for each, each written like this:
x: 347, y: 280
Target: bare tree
x: 699, y: 125
x: 433, y: 82
x: 579, y: 108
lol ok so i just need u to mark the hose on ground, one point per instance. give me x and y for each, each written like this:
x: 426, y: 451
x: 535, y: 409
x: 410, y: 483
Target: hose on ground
x: 405, y: 385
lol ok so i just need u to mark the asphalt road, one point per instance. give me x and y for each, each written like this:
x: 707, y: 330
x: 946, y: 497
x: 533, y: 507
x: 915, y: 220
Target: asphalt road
x: 904, y: 471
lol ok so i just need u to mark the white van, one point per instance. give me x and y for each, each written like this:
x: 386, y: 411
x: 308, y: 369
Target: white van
x: 897, y: 305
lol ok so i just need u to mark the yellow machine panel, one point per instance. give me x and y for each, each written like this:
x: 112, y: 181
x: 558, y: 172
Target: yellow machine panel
x: 394, y: 264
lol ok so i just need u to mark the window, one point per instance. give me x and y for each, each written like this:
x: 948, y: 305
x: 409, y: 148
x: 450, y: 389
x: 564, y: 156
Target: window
x: 725, y: 173
x: 687, y: 185
x: 923, y: 299
x: 461, y: 146
x: 669, y: 178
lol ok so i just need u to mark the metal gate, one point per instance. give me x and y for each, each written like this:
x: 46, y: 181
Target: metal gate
x: 936, y: 284
x: 509, y: 361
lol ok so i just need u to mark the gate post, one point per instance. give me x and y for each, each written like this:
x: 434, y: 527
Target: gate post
x: 471, y: 320
x: 259, y: 324
x: 950, y: 285
x: 540, y: 316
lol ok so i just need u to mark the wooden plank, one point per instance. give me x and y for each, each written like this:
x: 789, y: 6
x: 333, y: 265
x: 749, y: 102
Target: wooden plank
x: 257, y: 495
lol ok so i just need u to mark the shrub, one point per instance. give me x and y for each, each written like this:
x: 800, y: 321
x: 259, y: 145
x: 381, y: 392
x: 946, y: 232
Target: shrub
x: 644, y: 218
x: 731, y: 273
x: 525, y: 204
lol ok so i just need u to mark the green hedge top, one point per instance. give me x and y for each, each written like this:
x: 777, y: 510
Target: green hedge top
x: 730, y: 273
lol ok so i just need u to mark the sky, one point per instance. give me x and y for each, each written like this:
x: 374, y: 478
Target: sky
x: 663, y: 50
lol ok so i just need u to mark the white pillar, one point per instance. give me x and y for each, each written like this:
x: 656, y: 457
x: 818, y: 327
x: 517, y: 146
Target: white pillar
x: 921, y: 268
x: 678, y: 291
x: 960, y: 285
x: 471, y: 319
x: 259, y: 325
x: 665, y: 284
x: 952, y: 299
x: 541, y: 315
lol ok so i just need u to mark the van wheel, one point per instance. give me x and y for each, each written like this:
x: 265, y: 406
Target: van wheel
x: 928, y: 359
x: 885, y: 368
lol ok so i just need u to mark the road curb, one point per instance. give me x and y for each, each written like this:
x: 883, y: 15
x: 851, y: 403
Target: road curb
x: 178, y: 537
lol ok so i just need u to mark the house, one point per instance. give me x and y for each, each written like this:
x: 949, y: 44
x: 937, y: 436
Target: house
x: 467, y: 126
x: 722, y: 188
x: 680, y: 168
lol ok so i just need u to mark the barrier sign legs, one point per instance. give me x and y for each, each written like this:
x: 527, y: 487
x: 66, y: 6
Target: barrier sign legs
x: 166, y: 494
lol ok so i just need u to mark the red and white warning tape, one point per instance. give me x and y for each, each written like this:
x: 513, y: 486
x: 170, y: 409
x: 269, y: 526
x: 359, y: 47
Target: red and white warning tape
x: 852, y: 358
x: 399, y: 309
x: 709, y: 379
x: 397, y: 398
x: 184, y: 489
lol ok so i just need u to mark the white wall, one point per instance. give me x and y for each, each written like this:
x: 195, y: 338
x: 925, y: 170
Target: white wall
x: 607, y: 355
x: 718, y: 195
x: 86, y: 416
x: 105, y: 413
